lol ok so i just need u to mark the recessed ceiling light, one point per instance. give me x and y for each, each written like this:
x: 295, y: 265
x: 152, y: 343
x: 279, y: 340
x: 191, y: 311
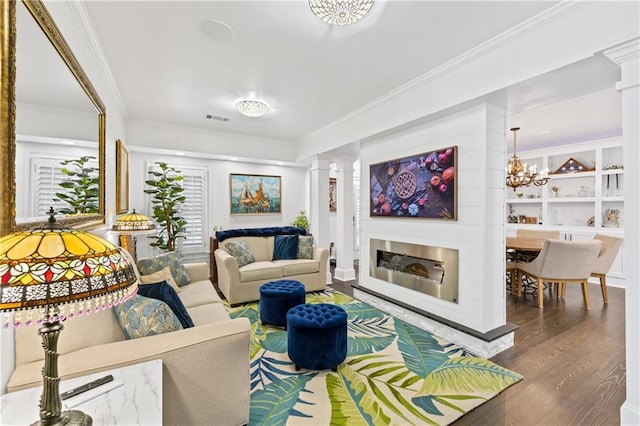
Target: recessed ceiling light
x: 252, y: 107
x: 233, y: 158
x: 65, y: 142
x: 180, y: 153
x: 217, y: 30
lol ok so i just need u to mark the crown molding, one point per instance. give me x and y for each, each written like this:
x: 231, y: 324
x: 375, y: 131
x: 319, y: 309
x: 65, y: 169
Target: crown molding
x: 81, y: 15
x: 624, y: 52
x: 531, y: 25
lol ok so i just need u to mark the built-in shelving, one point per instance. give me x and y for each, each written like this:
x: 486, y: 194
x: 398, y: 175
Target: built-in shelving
x: 578, y: 204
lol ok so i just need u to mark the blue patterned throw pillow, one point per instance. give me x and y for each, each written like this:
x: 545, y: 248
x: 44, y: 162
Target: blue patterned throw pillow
x: 241, y: 252
x: 305, y: 247
x: 141, y: 316
x: 157, y: 263
x: 164, y: 292
x: 285, y: 247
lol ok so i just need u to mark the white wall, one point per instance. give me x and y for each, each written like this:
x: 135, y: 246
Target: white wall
x: 478, y: 234
x: 161, y: 135
x: 294, y: 191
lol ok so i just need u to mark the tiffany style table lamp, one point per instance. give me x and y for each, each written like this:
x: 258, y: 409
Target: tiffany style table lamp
x: 50, y: 273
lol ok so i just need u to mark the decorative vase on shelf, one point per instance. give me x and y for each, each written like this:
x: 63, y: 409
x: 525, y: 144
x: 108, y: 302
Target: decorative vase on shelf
x: 583, y: 192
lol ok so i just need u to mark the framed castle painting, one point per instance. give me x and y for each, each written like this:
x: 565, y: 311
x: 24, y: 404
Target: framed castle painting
x: 255, y: 194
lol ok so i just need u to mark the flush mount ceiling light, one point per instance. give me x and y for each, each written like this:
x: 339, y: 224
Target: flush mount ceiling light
x: 252, y: 107
x: 340, y: 12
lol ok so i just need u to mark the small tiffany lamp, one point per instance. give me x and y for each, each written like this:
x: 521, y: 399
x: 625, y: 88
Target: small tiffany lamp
x: 50, y: 271
x: 134, y: 224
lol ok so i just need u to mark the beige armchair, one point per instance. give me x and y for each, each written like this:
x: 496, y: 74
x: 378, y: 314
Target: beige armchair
x: 561, y: 262
x: 610, y: 248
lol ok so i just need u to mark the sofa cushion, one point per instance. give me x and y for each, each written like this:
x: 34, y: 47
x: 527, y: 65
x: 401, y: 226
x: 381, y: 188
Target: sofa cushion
x: 241, y: 252
x: 305, y: 247
x: 199, y: 293
x: 163, y: 291
x: 157, y: 263
x: 285, y: 247
x: 141, y: 316
x: 260, y: 271
x: 298, y: 267
x: 206, y: 314
x: 160, y: 276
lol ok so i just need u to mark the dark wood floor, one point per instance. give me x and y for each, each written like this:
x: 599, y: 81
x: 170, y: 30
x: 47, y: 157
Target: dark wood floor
x: 572, y: 360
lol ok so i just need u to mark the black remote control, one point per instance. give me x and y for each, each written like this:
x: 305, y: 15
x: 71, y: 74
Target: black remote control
x: 86, y: 387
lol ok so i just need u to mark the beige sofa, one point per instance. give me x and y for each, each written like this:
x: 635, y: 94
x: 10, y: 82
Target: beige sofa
x: 205, y: 368
x: 242, y: 284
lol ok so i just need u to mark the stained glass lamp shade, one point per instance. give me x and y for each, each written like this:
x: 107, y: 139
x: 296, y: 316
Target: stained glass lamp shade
x: 133, y: 224
x: 49, y: 274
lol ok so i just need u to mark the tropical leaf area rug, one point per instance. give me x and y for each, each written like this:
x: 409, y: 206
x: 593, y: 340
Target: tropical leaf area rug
x: 394, y: 373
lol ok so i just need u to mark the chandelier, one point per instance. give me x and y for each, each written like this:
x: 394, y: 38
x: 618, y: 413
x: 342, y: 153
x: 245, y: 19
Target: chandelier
x: 252, y: 107
x: 340, y: 12
x: 520, y: 174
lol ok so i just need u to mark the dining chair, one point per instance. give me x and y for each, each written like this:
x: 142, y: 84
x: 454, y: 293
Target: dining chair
x: 536, y: 233
x: 561, y: 262
x: 610, y: 248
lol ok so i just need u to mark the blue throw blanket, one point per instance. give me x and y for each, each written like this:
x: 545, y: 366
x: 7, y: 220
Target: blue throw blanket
x: 260, y: 232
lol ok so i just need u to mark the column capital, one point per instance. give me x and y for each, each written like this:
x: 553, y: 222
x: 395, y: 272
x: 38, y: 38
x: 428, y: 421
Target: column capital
x: 344, y: 164
x: 627, y: 56
x: 319, y: 162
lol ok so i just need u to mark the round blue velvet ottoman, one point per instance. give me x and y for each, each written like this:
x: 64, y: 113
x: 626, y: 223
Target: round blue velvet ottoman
x: 317, y: 336
x: 276, y: 298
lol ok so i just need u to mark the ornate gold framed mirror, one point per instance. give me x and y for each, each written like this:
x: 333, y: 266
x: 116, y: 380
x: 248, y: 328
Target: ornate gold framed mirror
x: 47, y: 102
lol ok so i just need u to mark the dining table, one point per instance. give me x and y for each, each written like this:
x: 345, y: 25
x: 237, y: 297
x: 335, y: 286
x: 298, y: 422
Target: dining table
x: 527, y: 244
x: 521, y: 249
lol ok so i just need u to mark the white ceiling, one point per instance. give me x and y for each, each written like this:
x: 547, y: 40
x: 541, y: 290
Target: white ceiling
x: 167, y: 70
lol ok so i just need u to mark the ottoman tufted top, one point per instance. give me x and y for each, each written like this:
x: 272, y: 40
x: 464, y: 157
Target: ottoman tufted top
x: 282, y: 288
x: 320, y: 315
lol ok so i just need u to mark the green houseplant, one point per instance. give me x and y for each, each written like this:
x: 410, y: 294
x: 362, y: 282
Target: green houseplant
x: 81, y: 185
x: 167, y: 199
x: 301, y: 221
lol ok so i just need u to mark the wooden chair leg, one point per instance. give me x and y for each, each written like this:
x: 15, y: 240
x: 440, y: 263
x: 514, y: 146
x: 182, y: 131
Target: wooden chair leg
x: 603, y: 286
x: 540, y: 293
x: 585, y: 293
x: 519, y: 283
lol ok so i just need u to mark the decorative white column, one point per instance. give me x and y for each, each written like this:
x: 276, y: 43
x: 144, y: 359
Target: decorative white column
x: 627, y: 56
x: 344, y: 241
x: 319, y: 201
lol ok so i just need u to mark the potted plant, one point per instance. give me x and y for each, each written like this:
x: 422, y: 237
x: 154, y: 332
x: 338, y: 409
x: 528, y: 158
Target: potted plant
x: 167, y: 199
x: 301, y: 221
x: 81, y: 184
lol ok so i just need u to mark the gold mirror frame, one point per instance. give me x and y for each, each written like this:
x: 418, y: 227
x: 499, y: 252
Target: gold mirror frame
x: 8, y: 114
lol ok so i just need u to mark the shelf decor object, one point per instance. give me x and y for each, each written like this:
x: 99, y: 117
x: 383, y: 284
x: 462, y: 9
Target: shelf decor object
x: 48, y: 271
x: 133, y: 224
x: 521, y: 174
x: 340, y: 12
x: 573, y: 166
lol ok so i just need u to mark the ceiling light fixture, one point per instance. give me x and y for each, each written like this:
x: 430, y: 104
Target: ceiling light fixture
x: 521, y: 174
x: 252, y: 107
x: 340, y: 12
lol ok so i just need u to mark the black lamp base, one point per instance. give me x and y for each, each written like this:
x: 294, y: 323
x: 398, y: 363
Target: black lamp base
x: 72, y: 417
